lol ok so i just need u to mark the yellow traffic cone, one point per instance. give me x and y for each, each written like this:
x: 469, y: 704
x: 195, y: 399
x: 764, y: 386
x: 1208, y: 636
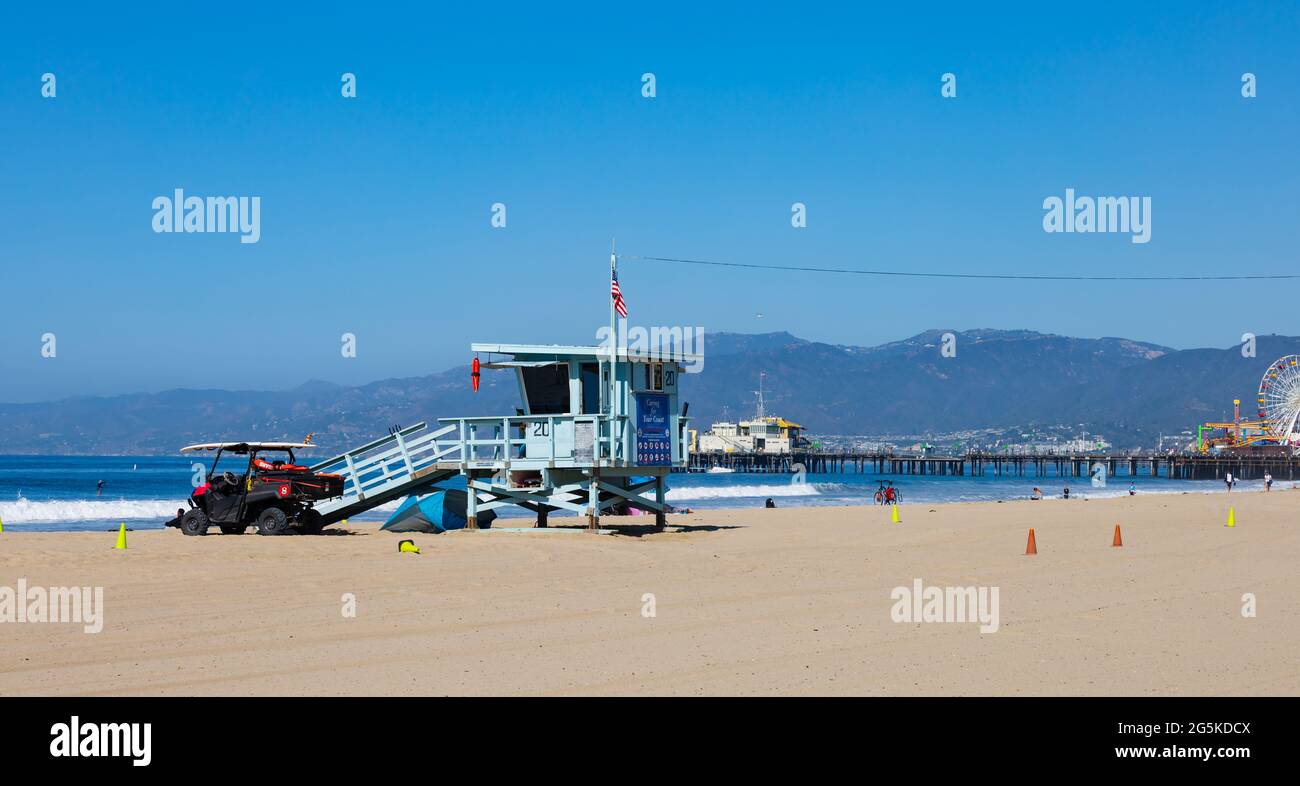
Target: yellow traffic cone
x: 1232, y: 518
x: 2, y: 526
x: 408, y: 547
x: 121, y: 537
x: 893, y: 515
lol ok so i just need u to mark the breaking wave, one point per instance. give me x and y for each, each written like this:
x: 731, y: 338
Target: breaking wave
x: 26, y: 511
x: 766, y: 490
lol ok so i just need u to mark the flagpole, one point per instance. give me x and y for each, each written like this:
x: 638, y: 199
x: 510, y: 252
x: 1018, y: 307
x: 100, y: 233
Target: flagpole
x: 613, y: 356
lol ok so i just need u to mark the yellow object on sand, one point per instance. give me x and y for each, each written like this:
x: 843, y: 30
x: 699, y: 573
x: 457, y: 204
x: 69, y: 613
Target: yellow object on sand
x: 893, y: 516
x: 408, y: 547
x: 1232, y: 518
x: 121, y: 537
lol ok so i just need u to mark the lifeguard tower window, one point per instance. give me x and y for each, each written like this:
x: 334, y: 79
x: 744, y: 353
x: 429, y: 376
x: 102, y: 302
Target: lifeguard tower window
x: 590, y: 388
x: 654, y: 376
x: 547, y: 388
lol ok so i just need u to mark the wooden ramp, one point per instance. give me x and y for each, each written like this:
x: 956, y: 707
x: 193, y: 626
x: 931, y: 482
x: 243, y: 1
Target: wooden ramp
x: 409, y: 461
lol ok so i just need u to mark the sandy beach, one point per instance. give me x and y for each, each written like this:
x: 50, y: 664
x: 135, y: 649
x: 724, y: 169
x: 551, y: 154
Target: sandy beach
x: 746, y: 602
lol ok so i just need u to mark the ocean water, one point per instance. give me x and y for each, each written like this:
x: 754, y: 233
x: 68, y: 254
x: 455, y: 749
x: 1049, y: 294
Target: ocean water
x: 59, y: 492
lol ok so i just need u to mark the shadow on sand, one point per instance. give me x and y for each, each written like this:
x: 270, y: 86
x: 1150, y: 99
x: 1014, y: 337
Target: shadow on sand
x: 641, y: 530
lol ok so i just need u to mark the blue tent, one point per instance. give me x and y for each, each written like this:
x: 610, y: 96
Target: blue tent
x: 436, y: 512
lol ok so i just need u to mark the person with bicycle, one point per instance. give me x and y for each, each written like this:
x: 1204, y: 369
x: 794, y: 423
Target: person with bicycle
x: 886, y: 494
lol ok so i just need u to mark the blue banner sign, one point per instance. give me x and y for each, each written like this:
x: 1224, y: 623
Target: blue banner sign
x: 653, y: 446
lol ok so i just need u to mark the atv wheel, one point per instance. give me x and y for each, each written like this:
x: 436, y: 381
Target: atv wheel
x: 273, y: 522
x: 194, y: 522
x: 309, y: 522
x: 233, y: 529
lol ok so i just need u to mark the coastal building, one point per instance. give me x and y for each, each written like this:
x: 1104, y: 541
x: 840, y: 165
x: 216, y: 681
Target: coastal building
x: 767, y: 434
x: 1083, y: 444
x: 762, y: 434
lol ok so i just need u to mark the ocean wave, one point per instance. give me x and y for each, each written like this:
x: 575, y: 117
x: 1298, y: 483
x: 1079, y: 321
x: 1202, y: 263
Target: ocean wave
x: 720, y: 492
x: 26, y: 511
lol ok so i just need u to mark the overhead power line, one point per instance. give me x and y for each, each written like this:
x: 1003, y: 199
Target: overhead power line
x: 920, y: 274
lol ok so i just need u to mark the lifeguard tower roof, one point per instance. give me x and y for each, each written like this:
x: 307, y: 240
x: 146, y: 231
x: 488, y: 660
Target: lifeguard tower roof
x: 558, y: 352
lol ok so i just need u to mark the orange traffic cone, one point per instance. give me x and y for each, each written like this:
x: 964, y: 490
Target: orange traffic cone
x: 1032, y: 546
x: 1118, y: 541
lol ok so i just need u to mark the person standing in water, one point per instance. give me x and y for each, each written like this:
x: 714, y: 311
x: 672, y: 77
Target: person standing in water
x: 99, y: 489
x: 1227, y: 479
x: 1268, y: 481
x: 1132, y: 488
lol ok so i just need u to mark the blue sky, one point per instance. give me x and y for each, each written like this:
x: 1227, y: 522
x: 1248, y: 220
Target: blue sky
x: 376, y: 210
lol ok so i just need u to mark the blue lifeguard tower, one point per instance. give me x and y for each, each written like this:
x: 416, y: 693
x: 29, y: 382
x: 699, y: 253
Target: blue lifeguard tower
x: 597, y: 427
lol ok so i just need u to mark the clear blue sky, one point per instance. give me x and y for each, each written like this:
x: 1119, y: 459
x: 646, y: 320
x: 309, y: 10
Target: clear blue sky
x: 375, y: 211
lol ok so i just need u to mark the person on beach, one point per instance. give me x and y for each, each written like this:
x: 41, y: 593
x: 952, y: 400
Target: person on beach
x: 1066, y: 494
x: 1132, y: 488
x: 1268, y: 481
x: 99, y: 489
x: 769, y: 503
x: 1227, y: 479
x: 1037, y: 493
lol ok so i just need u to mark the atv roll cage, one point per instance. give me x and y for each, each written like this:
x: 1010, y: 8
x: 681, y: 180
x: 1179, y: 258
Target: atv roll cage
x: 243, y: 481
x: 251, y: 452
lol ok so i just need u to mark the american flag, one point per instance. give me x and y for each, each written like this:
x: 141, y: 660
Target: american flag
x: 619, y: 306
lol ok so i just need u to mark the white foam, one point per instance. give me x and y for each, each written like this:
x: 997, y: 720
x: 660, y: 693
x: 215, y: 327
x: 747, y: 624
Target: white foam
x: 26, y: 511
x: 723, y: 492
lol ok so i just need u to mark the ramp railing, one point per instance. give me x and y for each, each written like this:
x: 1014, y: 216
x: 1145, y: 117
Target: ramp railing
x: 386, y: 466
x: 552, y: 441
x: 413, y: 459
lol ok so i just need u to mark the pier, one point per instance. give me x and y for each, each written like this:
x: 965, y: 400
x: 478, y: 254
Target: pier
x: 1179, y: 466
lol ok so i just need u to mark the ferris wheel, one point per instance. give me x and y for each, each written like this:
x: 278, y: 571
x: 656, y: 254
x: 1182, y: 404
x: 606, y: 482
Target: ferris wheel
x: 1279, y: 399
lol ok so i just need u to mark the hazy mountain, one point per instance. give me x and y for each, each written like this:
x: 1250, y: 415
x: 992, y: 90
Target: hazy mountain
x: 1128, y: 390
x: 995, y: 378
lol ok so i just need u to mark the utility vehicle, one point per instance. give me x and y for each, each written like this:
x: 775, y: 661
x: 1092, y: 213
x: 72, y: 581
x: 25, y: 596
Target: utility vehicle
x: 277, y: 495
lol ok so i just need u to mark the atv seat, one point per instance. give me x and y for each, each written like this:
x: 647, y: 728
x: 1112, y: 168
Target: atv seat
x: 277, y: 466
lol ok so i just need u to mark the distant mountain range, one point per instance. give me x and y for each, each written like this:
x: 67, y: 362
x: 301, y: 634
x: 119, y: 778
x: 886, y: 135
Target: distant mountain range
x: 1129, y: 391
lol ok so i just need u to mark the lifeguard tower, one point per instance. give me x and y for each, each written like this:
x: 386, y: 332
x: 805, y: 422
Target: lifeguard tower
x: 596, y: 428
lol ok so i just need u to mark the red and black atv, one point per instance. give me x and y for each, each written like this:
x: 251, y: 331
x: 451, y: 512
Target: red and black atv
x: 277, y: 496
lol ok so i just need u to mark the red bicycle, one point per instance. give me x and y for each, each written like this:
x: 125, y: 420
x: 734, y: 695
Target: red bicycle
x: 887, y: 494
